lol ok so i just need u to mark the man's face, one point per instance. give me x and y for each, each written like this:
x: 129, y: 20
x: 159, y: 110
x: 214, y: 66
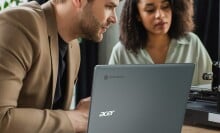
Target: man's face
x: 97, y: 17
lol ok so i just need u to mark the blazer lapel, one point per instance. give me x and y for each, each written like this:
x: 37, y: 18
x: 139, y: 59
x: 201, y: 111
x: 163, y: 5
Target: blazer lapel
x: 73, y: 63
x: 73, y: 58
x: 53, y: 42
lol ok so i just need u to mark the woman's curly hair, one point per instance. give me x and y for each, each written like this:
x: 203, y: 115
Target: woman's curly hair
x: 133, y: 34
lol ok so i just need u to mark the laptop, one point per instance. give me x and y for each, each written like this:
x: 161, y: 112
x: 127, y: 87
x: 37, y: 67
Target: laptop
x: 139, y: 98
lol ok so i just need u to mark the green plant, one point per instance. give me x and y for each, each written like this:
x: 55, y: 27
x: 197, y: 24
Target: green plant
x: 8, y: 3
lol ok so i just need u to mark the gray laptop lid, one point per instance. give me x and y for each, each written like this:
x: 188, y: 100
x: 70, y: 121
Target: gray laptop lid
x: 139, y: 98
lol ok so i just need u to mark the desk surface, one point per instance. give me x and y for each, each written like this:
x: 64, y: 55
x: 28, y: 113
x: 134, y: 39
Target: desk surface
x: 192, y: 129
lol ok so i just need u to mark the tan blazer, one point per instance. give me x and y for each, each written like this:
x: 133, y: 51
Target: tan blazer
x: 28, y: 71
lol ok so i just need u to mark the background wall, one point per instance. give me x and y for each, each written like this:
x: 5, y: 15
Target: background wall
x: 111, y: 37
x: 10, y: 3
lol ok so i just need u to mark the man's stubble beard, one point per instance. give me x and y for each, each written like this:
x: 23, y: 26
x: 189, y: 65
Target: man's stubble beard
x: 90, y: 26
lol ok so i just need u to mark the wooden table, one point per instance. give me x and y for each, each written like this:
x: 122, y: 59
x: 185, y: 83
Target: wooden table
x: 193, y: 129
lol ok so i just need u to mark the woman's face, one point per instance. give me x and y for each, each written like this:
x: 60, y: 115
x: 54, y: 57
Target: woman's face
x: 155, y: 15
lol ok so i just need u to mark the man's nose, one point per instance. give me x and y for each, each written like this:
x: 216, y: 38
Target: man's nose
x: 113, y: 18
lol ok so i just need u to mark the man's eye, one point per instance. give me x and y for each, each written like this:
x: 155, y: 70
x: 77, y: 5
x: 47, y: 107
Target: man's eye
x: 110, y: 7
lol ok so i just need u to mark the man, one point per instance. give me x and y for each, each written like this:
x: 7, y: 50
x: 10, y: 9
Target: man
x: 37, y: 74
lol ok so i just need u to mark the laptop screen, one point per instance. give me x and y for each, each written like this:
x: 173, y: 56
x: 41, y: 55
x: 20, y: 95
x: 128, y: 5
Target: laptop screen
x: 139, y: 98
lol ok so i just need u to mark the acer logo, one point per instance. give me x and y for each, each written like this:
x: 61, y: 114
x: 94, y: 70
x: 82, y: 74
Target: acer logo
x: 106, y: 113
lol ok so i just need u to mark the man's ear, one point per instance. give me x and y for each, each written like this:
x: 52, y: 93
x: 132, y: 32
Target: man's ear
x: 79, y: 3
x: 76, y: 3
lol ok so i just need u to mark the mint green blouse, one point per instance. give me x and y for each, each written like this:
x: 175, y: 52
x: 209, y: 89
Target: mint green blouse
x: 188, y: 49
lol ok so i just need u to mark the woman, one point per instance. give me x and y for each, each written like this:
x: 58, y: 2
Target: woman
x: 160, y: 31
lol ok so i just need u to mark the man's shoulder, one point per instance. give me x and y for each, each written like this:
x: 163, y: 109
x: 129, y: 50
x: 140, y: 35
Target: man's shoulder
x: 25, y: 26
x: 27, y: 19
x: 27, y: 12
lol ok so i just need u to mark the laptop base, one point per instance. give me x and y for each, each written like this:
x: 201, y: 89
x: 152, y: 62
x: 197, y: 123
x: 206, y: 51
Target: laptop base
x: 202, y: 113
